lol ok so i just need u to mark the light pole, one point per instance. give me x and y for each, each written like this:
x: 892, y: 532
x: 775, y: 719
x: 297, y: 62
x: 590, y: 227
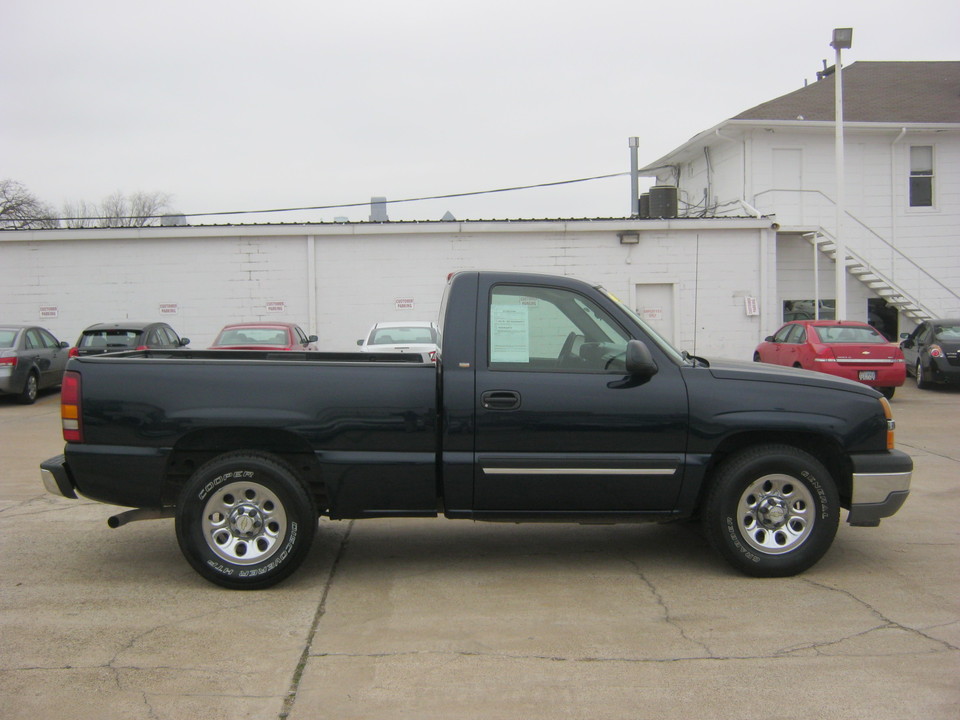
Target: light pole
x: 842, y: 38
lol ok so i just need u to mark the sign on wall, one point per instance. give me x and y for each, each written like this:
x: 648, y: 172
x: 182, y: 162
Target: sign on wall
x: 169, y: 309
x: 49, y: 312
x: 405, y: 303
x: 276, y: 306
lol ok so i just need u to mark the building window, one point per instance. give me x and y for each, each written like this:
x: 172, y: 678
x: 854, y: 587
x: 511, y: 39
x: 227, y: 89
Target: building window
x: 921, y: 176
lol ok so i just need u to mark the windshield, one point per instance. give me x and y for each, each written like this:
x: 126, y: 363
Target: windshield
x: 671, y: 351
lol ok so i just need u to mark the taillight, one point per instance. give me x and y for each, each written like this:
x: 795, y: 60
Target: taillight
x: 74, y: 352
x: 8, y: 361
x: 936, y: 351
x: 142, y: 347
x: 70, y: 411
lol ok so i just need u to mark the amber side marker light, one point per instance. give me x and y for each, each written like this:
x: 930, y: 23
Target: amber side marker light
x: 891, y: 424
x: 70, y: 407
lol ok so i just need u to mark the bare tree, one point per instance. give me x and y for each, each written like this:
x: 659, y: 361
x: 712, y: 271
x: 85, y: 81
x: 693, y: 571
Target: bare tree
x: 20, y: 209
x: 136, y: 210
x: 79, y: 215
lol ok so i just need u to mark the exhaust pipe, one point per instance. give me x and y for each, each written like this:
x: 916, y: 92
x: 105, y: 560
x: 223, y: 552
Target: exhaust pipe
x: 123, y: 518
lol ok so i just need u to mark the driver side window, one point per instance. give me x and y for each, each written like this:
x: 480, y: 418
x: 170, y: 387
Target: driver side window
x: 548, y: 329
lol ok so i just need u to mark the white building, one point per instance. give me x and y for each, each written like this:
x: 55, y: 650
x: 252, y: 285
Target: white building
x: 901, y: 225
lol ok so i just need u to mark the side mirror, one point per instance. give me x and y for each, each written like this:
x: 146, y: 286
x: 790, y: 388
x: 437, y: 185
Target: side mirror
x: 64, y: 344
x: 312, y: 338
x: 184, y: 341
x: 768, y: 338
x: 360, y: 341
x: 639, y: 361
x: 904, y: 336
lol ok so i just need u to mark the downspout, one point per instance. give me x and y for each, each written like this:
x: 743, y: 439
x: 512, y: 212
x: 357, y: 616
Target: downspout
x: 312, y: 285
x: 893, y: 201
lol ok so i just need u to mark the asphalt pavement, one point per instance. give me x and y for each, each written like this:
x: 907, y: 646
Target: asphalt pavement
x: 430, y: 618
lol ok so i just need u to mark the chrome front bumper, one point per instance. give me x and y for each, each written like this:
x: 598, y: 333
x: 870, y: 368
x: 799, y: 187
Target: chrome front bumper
x: 881, y: 483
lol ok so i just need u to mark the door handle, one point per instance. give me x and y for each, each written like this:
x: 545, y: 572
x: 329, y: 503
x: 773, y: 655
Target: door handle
x: 500, y: 400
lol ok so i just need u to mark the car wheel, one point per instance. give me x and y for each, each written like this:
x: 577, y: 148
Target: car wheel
x: 887, y: 392
x: 245, y: 521
x: 30, y: 389
x: 772, y: 511
x: 922, y: 381
x: 756, y: 357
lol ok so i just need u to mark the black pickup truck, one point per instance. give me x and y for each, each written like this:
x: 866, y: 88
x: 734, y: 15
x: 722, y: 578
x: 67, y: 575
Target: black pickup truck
x: 550, y: 400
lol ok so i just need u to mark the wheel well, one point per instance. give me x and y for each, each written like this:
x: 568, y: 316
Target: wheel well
x: 197, y: 448
x: 824, y: 449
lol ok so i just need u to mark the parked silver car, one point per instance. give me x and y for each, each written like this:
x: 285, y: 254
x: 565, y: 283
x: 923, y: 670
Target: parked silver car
x: 31, y: 359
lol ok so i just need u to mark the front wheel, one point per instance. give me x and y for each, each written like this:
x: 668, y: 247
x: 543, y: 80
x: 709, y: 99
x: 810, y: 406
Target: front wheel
x: 772, y: 511
x: 245, y: 521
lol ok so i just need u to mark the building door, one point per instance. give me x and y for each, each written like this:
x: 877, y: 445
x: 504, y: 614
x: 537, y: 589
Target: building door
x: 788, y: 181
x: 654, y: 304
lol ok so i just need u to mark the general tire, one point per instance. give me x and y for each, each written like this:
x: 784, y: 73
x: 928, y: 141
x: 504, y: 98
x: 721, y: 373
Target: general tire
x: 771, y: 511
x: 245, y: 521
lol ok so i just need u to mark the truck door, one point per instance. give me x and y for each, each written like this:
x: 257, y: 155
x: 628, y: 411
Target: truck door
x: 560, y: 428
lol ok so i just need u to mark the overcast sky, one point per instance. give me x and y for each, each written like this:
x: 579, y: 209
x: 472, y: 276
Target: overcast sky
x: 231, y: 105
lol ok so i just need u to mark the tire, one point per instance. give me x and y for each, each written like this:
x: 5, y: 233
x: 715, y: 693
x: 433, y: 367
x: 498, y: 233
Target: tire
x: 30, y: 390
x: 922, y: 382
x: 771, y: 511
x: 756, y: 357
x: 888, y: 392
x: 245, y: 521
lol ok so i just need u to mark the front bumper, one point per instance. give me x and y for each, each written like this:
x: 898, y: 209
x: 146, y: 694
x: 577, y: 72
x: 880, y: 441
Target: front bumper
x: 56, y: 477
x: 881, y: 483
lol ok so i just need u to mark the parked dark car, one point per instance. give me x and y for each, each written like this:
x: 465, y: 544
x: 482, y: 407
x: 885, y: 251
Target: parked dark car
x: 264, y: 336
x: 932, y: 352
x: 31, y: 359
x: 115, y: 337
x: 847, y: 349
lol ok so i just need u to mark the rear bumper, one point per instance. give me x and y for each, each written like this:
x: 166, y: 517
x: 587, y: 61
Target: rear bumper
x: 881, y: 483
x: 56, y: 477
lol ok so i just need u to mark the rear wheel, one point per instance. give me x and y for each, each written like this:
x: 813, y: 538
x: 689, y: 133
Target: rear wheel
x: 887, y: 392
x: 921, y: 376
x: 245, y: 521
x: 30, y: 389
x: 772, y: 511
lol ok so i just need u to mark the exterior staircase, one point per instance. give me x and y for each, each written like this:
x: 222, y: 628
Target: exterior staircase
x: 875, y: 280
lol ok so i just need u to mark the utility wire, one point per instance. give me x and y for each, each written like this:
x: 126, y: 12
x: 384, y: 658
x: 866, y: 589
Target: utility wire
x: 417, y: 199
x: 359, y: 204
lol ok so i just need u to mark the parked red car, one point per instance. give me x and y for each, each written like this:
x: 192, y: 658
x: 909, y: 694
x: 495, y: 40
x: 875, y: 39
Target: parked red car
x: 848, y: 349
x: 264, y: 336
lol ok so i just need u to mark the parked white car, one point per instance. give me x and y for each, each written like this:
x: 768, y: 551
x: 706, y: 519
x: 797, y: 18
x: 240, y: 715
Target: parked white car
x: 402, y: 337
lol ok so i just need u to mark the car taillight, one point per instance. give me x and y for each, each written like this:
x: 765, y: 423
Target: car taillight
x: 74, y: 352
x: 70, y: 411
x: 9, y: 361
x: 142, y: 347
x: 936, y: 351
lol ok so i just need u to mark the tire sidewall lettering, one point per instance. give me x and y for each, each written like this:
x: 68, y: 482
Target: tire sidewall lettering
x: 221, y: 479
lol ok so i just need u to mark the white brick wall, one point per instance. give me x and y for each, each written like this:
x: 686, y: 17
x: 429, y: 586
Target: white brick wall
x: 218, y: 275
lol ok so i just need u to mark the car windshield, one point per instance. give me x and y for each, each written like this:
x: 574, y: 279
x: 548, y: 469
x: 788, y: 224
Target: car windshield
x: 403, y: 336
x: 253, y: 336
x: 110, y: 338
x: 831, y: 334
x: 947, y: 332
x: 8, y: 338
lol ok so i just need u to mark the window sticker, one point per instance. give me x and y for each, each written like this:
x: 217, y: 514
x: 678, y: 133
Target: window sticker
x: 509, y: 334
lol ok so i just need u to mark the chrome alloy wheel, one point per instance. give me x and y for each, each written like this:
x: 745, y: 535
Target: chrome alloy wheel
x: 776, y: 514
x: 244, y: 522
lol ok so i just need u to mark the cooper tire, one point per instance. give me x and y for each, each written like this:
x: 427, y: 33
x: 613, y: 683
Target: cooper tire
x: 245, y: 521
x: 772, y: 511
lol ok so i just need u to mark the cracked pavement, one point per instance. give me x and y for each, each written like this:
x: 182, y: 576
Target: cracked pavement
x: 424, y: 618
